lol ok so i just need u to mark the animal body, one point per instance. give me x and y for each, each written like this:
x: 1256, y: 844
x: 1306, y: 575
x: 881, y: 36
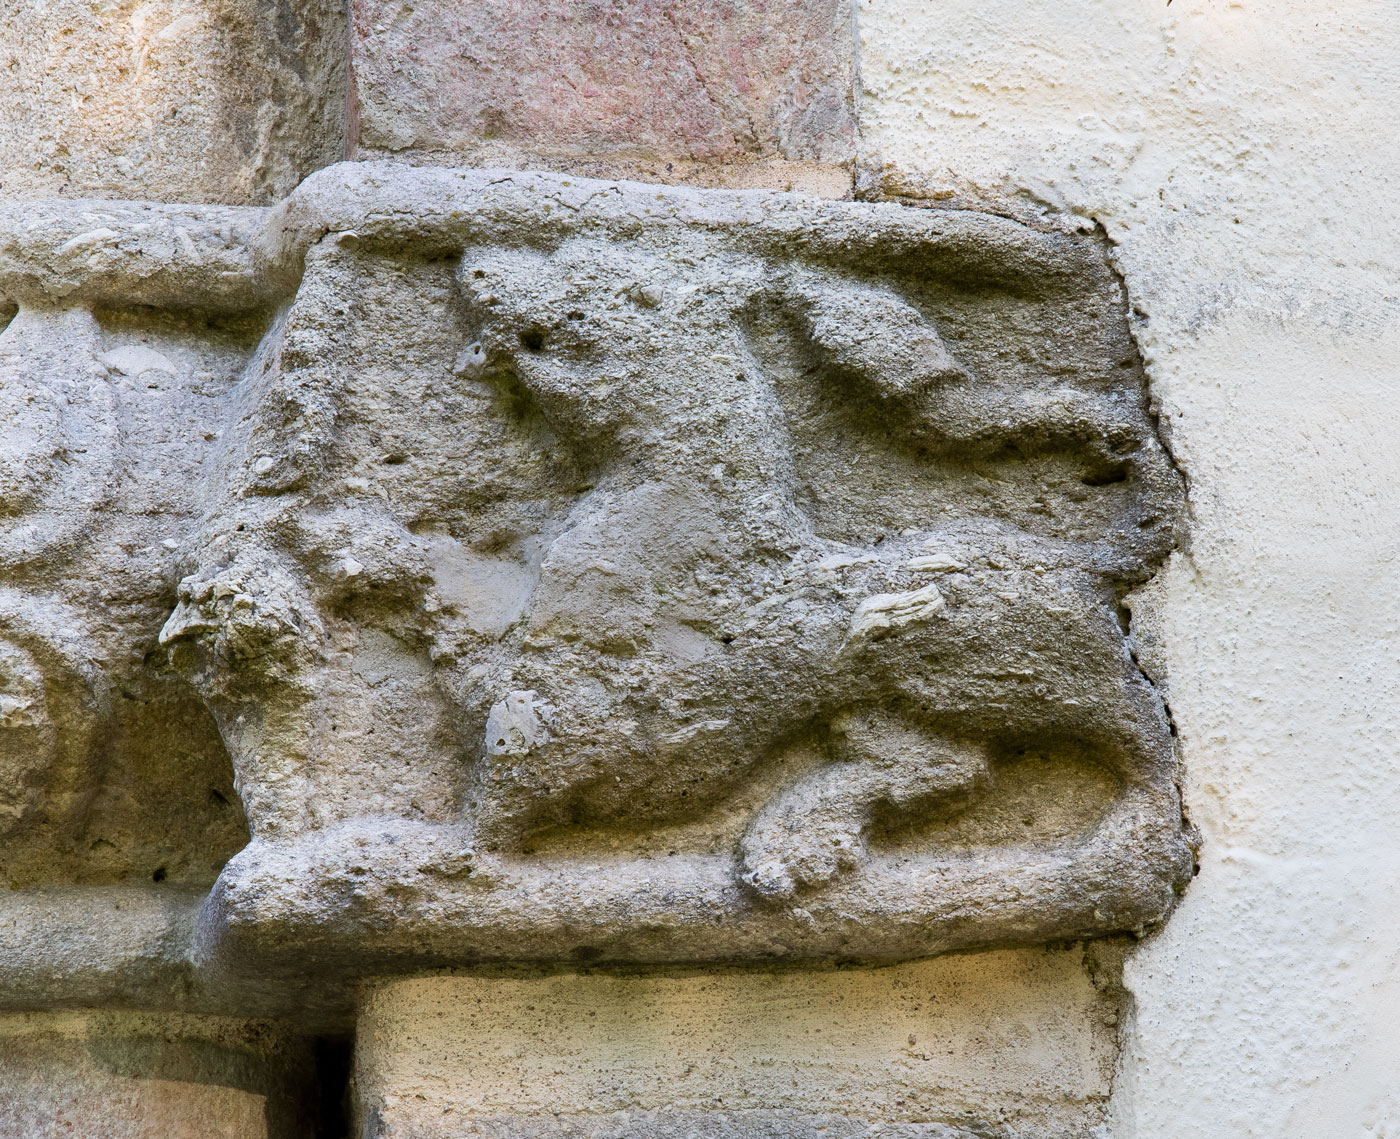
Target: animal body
x: 744, y: 501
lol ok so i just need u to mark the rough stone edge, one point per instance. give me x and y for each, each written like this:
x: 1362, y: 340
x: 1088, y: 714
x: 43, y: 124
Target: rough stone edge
x: 268, y: 915
x: 235, y: 258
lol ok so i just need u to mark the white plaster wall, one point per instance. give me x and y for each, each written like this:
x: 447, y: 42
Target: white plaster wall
x: 1244, y: 158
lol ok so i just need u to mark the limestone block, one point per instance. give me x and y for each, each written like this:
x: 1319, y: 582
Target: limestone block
x: 1015, y: 1044
x: 133, y: 1076
x: 755, y: 93
x: 176, y: 100
x: 583, y: 571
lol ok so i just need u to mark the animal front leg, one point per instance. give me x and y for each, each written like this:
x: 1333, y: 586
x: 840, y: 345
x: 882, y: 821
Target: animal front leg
x: 816, y: 830
x: 248, y: 637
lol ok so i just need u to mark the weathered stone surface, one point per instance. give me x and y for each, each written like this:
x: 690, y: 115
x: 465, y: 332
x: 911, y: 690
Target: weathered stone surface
x: 131, y: 1076
x: 1010, y: 1044
x: 113, y: 771
x: 584, y: 571
x: 640, y: 88
x: 1230, y: 151
x: 109, y: 947
x: 176, y: 100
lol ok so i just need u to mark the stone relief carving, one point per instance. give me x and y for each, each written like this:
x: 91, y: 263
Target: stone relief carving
x: 598, y: 571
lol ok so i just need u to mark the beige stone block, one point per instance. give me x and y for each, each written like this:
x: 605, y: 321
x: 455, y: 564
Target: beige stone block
x: 1020, y: 1041
x: 173, y: 100
x: 134, y: 1076
x: 716, y: 93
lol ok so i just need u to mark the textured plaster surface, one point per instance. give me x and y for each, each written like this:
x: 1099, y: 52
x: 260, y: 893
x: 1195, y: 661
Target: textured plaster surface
x: 1013, y: 1043
x: 1237, y: 155
x: 759, y: 93
x: 175, y: 100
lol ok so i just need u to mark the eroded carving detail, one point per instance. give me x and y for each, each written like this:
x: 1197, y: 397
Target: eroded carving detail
x: 610, y: 572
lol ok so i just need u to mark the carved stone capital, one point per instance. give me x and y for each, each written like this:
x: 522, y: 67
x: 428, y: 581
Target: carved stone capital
x: 598, y: 572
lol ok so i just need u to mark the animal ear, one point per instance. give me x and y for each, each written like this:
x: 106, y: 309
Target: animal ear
x: 895, y: 356
x: 871, y: 334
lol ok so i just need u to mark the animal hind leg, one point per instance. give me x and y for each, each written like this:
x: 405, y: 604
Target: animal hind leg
x: 815, y: 831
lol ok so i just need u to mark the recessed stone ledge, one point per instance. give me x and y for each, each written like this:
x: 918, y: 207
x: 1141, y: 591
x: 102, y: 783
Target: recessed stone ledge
x: 1016, y: 1043
x: 362, y: 898
x: 713, y: 1124
x: 147, y: 1075
x: 102, y: 946
x: 230, y: 259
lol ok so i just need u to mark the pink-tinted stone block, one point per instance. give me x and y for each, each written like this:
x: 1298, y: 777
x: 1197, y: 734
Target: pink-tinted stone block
x: 605, y: 85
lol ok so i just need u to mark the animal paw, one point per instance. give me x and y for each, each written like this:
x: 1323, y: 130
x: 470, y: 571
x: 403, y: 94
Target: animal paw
x: 790, y: 851
x: 252, y: 610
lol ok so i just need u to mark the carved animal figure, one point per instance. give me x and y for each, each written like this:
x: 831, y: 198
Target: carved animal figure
x: 675, y: 507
